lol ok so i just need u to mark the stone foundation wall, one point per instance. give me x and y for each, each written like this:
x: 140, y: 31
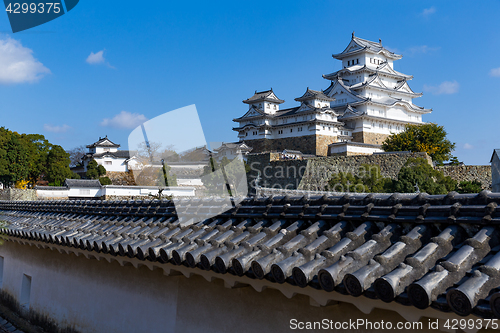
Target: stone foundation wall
x: 322, y: 142
x: 314, y: 173
x: 371, y: 138
x: 309, y: 144
x: 16, y: 194
x: 320, y: 169
x: 121, y: 178
x: 461, y: 173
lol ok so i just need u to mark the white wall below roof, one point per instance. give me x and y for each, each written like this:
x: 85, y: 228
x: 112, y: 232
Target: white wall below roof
x: 84, y: 192
x: 138, y: 190
x: 100, y: 150
x: 96, y: 296
x: 117, y: 164
x: 351, y: 148
x: 44, y: 194
x: 114, y: 190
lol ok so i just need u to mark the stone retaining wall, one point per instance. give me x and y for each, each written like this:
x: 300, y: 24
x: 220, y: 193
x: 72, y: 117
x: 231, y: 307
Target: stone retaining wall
x: 371, y: 138
x: 16, y: 194
x: 460, y: 173
x: 314, y: 173
x: 308, y: 144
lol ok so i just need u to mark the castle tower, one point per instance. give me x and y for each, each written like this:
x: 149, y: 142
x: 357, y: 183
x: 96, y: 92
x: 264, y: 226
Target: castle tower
x: 308, y: 128
x: 372, y: 98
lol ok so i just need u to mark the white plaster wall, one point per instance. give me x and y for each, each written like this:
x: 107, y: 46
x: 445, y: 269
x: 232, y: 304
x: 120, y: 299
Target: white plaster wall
x: 84, y: 192
x: 137, y: 190
x: 121, y: 191
x: 100, y: 150
x: 398, y: 113
x: 52, y: 193
x: 195, y: 166
x: 117, y: 164
x: 354, y: 149
x: 98, y: 296
x: 92, y: 296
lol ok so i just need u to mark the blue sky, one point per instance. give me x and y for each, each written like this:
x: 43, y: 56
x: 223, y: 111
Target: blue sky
x: 84, y: 74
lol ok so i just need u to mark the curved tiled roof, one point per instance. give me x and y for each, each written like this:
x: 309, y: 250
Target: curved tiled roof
x: 261, y: 96
x: 366, y: 45
x: 383, y: 69
x: 439, y: 251
x: 103, y: 142
x: 313, y: 94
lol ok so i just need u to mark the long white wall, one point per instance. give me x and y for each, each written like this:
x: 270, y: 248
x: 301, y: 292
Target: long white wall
x: 117, y: 190
x: 94, y: 296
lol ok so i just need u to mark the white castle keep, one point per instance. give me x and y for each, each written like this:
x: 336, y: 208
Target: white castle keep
x: 366, y: 101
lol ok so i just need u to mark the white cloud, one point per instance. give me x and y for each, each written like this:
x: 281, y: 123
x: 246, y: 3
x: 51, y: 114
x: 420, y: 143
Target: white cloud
x: 124, y: 120
x: 56, y: 129
x: 429, y: 11
x: 96, y: 58
x: 495, y: 72
x: 17, y: 64
x: 421, y: 49
x: 468, y: 146
x: 445, y: 88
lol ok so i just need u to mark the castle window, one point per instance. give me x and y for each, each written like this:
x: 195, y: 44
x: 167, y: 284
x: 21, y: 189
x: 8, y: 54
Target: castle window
x: 291, y: 130
x: 274, y: 106
x: 280, y: 131
x: 246, y: 134
x: 268, y: 106
x: 108, y: 162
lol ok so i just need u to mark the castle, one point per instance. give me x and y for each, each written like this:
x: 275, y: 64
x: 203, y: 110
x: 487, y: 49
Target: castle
x: 367, y: 101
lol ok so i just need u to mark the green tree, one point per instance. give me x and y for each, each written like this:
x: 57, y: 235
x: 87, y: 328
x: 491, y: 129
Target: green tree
x: 345, y: 182
x: 15, y: 159
x: 31, y: 157
x: 468, y: 186
x: 39, y: 149
x: 105, y: 181
x: 367, y: 179
x: 101, y: 170
x: 92, y: 170
x: 418, y: 172
x: 429, y: 138
x: 58, y: 166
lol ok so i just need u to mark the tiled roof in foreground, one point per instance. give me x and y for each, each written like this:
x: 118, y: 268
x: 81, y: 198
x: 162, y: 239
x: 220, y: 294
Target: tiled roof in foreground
x: 438, y: 251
